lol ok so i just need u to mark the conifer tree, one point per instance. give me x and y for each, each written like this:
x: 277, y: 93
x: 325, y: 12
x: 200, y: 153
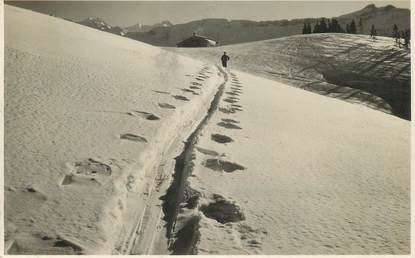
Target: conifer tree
x: 347, y: 28
x: 360, y: 26
x: 353, y: 27
x: 317, y: 28
x: 330, y: 25
x: 309, y: 30
x: 323, y: 26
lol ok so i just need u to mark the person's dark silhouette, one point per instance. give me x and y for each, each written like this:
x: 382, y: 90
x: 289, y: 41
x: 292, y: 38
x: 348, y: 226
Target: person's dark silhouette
x: 225, y: 58
x: 407, y: 38
x: 373, y: 32
x: 395, y: 33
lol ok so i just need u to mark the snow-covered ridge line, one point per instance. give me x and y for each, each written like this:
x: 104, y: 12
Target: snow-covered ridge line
x: 353, y: 68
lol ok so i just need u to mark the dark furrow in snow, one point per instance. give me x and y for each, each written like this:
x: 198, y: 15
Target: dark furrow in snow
x: 185, y: 239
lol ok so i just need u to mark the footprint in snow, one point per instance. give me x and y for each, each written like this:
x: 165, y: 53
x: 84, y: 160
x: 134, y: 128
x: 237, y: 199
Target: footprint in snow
x: 145, y: 115
x: 161, y: 92
x: 219, y: 138
x: 75, y: 179
x: 227, y: 110
x: 222, y: 165
x: 207, y: 152
x: 236, y: 109
x: 222, y: 210
x: 133, y: 137
x: 166, y: 106
x: 227, y: 120
x: 251, y: 237
x: 232, y: 93
x: 67, y: 180
x: 60, y: 242
x: 229, y: 100
x: 187, y: 90
x: 229, y: 125
x: 89, y: 167
x: 190, y: 91
x: 179, y: 97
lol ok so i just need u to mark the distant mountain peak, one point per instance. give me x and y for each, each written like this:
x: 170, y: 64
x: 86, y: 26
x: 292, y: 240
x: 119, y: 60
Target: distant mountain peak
x: 95, y: 21
x: 166, y: 23
x: 389, y: 7
x: 370, y: 7
x: 139, y: 27
x: 100, y: 24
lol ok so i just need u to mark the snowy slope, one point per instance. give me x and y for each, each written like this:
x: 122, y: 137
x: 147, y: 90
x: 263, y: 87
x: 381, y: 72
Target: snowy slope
x: 89, y: 117
x: 279, y: 170
x: 93, y: 122
x: 375, y: 73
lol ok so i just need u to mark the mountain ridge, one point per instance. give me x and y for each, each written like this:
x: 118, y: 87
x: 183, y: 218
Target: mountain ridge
x: 239, y: 31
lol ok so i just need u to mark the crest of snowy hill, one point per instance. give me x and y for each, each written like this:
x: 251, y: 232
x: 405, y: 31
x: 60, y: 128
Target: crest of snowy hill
x: 353, y: 68
x: 100, y: 24
x: 239, y: 31
x: 145, y: 28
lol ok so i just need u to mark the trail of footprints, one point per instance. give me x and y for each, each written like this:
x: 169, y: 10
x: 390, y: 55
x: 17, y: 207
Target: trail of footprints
x: 218, y: 164
x: 91, y: 169
x: 219, y: 208
x: 194, y: 88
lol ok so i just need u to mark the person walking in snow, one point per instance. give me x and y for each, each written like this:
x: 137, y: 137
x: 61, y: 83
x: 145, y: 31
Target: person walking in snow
x: 407, y: 38
x: 395, y: 33
x: 225, y: 58
x: 373, y: 32
x: 401, y: 36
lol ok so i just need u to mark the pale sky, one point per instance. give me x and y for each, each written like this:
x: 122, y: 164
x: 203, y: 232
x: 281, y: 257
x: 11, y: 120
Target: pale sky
x: 122, y: 13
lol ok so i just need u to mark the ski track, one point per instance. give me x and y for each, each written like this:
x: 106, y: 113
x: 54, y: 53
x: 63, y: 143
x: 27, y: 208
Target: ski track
x: 90, y: 185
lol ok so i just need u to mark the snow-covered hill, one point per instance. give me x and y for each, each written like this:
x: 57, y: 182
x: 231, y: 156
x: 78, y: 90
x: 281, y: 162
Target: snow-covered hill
x: 279, y: 170
x: 354, y: 68
x: 113, y: 146
x: 89, y: 117
x: 239, y: 31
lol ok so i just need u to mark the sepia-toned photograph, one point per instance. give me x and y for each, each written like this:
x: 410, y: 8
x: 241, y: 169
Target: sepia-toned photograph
x: 207, y: 127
